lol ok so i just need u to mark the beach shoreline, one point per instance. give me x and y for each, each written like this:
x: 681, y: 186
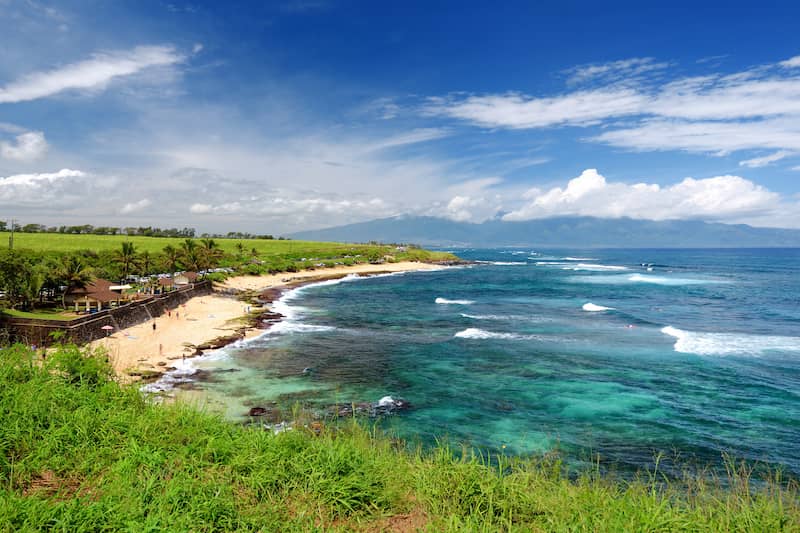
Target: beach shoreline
x: 149, y: 349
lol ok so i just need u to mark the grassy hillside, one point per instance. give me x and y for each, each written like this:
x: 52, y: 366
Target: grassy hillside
x: 80, y: 453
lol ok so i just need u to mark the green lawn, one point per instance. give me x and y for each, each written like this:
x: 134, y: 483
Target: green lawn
x: 43, y: 314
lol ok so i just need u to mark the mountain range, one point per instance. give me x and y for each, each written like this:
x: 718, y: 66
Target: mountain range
x: 558, y: 232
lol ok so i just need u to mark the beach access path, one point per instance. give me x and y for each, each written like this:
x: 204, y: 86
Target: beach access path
x: 206, y: 318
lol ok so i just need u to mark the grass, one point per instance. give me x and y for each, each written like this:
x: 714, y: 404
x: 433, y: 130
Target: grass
x: 57, y: 242
x: 78, y: 452
x: 42, y: 314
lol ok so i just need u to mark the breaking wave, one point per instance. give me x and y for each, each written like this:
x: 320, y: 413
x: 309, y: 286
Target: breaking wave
x: 445, y: 301
x: 702, y: 343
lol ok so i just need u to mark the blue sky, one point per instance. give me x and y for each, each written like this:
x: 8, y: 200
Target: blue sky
x: 300, y: 114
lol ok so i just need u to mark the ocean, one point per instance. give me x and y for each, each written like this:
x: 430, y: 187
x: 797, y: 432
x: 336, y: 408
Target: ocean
x: 609, y: 355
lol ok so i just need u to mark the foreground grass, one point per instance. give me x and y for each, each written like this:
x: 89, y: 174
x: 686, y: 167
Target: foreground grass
x: 80, y: 453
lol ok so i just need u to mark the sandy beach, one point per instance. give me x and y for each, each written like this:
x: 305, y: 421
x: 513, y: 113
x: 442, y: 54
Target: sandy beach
x: 205, y: 318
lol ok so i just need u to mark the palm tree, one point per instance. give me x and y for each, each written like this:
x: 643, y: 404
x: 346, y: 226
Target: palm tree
x: 211, y: 253
x: 74, y: 274
x: 32, y: 287
x: 146, y: 262
x: 192, y: 257
x: 172, y: 256
x: 126, y: 257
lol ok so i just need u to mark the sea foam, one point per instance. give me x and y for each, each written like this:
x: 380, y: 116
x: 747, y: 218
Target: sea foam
x: 592, y: 267
x: 445, y: 301
x: 475, y: 333
x: 703, y: 343
x: 589, y: 306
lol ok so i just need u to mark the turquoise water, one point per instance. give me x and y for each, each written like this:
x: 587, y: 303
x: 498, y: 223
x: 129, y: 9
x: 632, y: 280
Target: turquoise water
x: 687, y: 352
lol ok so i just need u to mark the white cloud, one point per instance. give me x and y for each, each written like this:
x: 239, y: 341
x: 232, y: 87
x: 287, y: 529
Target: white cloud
x: 615, y: 70
x: 200, y: 209
x: 133, y: 207
x: 706, y: 136
x: 27, y: 146
x: 757, y: 108
x: 518, y: 111
x: 52, y: 189
x: 763, y: 161
x: 418, y: 135
x: 721, y: 198
x: 94, y: 73
x: 792, y: 62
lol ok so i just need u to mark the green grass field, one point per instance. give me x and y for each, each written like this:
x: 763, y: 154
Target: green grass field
x: 79, y: 452
x: 57, y: 242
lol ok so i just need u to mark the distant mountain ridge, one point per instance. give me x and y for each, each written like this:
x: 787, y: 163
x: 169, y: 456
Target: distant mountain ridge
x: 559, y: 232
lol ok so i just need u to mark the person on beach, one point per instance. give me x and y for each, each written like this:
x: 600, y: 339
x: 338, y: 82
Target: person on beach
x: 154, y: 326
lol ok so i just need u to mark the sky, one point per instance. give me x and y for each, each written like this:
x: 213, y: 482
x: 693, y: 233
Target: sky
x: 274, y: 117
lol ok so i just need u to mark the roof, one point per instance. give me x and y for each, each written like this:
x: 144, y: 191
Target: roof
x: 104, y: 296
x: 166, y: 282
x: 98, y: 285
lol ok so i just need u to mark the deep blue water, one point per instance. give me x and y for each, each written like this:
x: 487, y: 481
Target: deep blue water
x: 696, y: 357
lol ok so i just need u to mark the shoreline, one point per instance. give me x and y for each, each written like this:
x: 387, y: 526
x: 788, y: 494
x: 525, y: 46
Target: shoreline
x: 144, y: 352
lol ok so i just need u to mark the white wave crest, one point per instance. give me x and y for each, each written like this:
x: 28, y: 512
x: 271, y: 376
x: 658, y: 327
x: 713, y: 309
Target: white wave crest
x: 622, y: 279
x: 589, y: 306
x: 730, y: 343
x: 475, y: 333
x: 503, y: 263
x: 592, y: 267
x: 661, y: 280
x: 445, y: 301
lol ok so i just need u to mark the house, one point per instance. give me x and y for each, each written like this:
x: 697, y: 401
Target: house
x: 96, y: 295
x: 185, y: 278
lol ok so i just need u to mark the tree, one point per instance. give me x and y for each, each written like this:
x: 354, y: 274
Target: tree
x: 73, y: 274
x: 240, y: 250
x: 14, y: 273
x: 126, y: 257
x: 146, y: 262
x: 172, y: 257
x: 31, y: 287
x: 191, y: 256
x: 211, y: 253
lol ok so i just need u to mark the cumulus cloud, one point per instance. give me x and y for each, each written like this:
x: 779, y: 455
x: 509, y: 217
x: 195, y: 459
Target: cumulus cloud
x: 61, y: 188
x: 133, y: 207
x: 751, y: 109
x: 763, y: 161
x: 26, y: 146
x: 93, y: 73
x: 722, y: 198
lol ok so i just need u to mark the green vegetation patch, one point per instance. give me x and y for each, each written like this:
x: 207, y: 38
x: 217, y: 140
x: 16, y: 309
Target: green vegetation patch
x: 41, y: 315
x: 78, y: 452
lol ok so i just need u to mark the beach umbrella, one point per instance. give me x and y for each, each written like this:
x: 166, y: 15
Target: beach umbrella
x: 107, y: 329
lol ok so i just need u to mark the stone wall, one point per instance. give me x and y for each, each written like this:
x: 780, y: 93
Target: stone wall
x: 90, y: 327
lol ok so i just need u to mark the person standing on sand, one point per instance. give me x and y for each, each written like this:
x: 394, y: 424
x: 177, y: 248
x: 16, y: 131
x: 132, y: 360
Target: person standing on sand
x: 154, y: 326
